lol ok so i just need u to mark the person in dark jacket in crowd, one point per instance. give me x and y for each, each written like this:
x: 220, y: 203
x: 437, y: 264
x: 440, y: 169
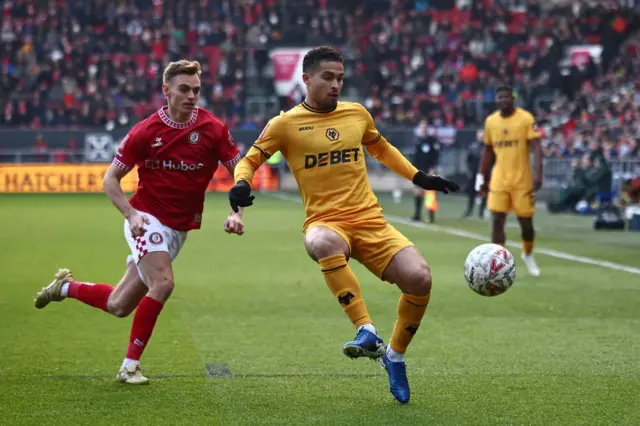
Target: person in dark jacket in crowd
x: 473, y: 166
x: 426, y: 156
x: 587, y: 180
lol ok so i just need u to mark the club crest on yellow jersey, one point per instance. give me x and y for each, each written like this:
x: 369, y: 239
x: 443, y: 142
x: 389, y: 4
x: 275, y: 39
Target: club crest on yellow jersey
x: 332, y: 134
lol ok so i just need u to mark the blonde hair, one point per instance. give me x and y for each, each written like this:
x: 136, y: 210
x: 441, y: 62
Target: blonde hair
x: 182, y: 66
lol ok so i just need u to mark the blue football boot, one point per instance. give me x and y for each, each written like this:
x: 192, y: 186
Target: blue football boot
x: 365, y: 344
x: 398, y: 383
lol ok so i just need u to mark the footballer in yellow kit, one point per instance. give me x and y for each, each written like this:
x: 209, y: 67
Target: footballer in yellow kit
x: 324, y: 143
x: 510, y: 133
x: 328, y: 162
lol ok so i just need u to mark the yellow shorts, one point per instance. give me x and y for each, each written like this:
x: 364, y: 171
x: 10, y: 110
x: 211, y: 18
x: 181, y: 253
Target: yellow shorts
x: 520, y: 201
x: 373, y: 243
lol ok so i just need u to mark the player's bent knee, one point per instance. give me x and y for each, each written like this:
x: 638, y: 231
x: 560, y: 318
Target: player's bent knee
x: 420, y: 280
x: 161, y: 287
x: 322, y: 242
x: 158, y: 274
x: 416, y: 279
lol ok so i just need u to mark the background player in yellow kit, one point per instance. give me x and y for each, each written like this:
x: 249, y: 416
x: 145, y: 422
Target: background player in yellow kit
x: 509, y: 134
x: 322, y: 141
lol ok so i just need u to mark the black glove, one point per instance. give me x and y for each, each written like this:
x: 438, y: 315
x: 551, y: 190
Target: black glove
x: 240, y: 195
x: 433, y: 182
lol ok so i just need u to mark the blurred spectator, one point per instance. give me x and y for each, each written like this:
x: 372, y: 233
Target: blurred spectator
x: 425, y: 157
x: 474, y: 155
x: 40, y: 148
x: 588, y: 180
x: 98, y: 63
x: 630, y: 192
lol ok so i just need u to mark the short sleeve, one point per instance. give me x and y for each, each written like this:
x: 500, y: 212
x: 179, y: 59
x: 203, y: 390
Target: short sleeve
x: 532, y: 129
x: 130, y: 152
x: 371, y: 135
x: 228, y: 152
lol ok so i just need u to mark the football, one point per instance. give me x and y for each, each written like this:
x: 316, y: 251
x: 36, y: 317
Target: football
x: 490, y: 269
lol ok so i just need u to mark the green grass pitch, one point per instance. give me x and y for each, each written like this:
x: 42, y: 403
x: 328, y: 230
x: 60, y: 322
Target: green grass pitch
x: 560, y: 349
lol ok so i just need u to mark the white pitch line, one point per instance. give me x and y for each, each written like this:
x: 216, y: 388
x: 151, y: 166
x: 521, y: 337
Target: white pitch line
x: 473, y: 236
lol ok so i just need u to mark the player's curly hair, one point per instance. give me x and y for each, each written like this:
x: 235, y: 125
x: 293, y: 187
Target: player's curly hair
x: 320, y: 54
x: 182, y: 66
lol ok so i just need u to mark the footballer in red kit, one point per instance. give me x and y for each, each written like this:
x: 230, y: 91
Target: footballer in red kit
x: 176, y: 151
x: 175, y: 163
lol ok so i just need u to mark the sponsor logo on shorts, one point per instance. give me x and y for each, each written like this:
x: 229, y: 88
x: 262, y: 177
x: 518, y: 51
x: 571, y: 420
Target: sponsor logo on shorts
x: 155, y: 238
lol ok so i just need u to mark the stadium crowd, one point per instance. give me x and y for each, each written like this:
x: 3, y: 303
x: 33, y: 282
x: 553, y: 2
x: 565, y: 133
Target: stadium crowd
x: 95, y: 62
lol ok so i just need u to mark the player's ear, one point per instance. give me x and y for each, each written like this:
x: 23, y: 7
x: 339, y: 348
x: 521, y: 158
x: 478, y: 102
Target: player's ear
x: 306, y: 77
x: 165, y: 90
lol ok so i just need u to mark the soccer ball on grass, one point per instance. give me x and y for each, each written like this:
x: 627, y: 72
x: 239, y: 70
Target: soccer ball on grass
x: 490, y: 269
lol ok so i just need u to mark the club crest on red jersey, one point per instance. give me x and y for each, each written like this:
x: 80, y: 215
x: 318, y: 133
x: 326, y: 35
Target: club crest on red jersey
x: 194, y: 138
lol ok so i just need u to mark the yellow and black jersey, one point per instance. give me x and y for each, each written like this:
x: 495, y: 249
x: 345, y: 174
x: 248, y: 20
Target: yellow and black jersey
x: 324, y: 150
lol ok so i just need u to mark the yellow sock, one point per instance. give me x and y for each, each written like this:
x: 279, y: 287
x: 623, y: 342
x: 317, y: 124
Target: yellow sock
x: 527, y: 247
x: 344, y: 285
x: 411, y: 309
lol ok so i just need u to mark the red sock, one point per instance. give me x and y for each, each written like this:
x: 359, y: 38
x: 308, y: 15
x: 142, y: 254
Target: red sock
x: 143, y: 322
x: 95, y: 295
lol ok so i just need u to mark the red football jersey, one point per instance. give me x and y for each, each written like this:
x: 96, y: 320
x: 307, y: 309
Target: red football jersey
x: 175, y: 163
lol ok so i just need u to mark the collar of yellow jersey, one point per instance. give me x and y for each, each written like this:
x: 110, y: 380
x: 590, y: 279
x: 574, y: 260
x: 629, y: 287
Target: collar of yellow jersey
x: 319, y: 111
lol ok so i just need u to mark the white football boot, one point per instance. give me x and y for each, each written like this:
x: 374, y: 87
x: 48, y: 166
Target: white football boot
x: 531, y: 265
x: 52, y: 292
x: 131, y: 375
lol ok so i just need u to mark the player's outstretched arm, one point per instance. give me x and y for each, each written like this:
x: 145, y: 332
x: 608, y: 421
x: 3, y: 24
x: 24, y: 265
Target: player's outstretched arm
x: 387, y: 154
x: 267, y: 144
x: 240, y: 194
x: 113, y: 189
x: 233, y: 224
